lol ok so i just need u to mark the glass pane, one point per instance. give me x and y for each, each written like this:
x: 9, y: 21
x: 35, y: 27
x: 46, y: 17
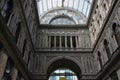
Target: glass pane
x: 54, y: 7
x: 63, y: 74
x: 49, y: 4
x: 59, y: 3
x: 62, y: 21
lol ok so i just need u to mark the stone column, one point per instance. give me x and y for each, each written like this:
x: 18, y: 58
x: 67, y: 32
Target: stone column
x: 71, y: 43
x: 79, y: 42
x: 49, y: 43
x: 3, y: 62
x: 76, y: 38
x: 14, y: 73
x: 65, y: 41
x: 46, y: 41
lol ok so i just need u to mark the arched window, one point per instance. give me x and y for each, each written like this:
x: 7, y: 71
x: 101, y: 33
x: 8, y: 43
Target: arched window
x: 116, y: 33
x: 6, y: 10
x: 100, y: 59
x: 77, y: 9
x: 63, y: 69
x: 63, y: 74
x: 115, y: 28
x: 62, y: 20
x: 104, y: 6
x: 107, y: 48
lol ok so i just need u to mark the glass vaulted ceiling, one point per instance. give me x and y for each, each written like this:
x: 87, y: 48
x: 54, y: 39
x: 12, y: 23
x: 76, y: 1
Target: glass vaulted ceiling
x: 77, y: 10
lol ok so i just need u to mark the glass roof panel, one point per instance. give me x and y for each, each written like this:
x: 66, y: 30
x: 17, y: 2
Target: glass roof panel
x: 47, y: 6
x: 62, y: 20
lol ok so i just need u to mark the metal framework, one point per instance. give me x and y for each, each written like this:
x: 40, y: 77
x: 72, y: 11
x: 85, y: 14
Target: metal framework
x: 81, y: 6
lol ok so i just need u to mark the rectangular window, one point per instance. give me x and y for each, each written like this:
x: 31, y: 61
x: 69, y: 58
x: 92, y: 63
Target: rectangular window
x: 57, y: 41
x: 74, y: 41
x: 63, y: 41
x: 52, y: 41
x: 68, y: 41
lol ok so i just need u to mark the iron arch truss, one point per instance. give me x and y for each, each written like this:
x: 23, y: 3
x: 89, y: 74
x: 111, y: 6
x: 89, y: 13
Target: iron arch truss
x: 47, y: 6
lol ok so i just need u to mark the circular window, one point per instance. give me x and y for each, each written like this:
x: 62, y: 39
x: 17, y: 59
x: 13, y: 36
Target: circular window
x: 63, y: 74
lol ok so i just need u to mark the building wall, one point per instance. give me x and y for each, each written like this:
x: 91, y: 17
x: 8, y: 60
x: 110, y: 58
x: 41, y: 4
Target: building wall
x: 22, y: 26
x: 45, y: 54
x: 43, y: 60
x: 7, y: 71
x: 118, y: 72
x: 34, y: 48
x: 82, y: 35
x: 103, y: 56
x: 99, y: 15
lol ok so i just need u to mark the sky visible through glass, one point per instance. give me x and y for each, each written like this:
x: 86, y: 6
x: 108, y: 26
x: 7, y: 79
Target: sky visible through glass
x: 82, y: 6
x: 63, y: 74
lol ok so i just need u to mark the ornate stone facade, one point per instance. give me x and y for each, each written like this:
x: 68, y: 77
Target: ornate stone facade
x: 31, y: 51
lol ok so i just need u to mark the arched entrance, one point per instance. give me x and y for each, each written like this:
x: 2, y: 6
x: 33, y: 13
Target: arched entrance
x: 64, y: 64
x: 63, y: 74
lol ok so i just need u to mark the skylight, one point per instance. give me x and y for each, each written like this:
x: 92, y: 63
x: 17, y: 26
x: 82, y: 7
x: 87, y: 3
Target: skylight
x: 48, y: 7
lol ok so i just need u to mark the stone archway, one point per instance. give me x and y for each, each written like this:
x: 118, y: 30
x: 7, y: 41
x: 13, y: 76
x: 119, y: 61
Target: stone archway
x: 64, y: 63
